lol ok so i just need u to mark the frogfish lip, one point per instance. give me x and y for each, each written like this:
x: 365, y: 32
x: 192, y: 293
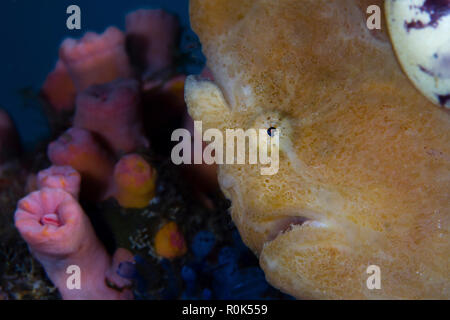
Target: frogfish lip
x: 284, y: 225
x: 288, y: 223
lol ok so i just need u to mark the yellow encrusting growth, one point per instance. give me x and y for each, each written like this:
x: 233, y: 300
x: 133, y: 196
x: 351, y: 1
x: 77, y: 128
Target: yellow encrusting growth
x: 169, y: 241
x: 135, y: 182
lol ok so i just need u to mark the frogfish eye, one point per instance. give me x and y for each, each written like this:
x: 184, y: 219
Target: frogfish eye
x: 271, y: 131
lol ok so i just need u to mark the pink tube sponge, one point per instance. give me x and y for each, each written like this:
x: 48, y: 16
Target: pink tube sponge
x: 96, y: 59
x: 59, y: 89
x: 114, y: 274
x: 151, y: 38
x: 60, y: 235
x: 79, y: 149
x: 135, y: 181
x: 113, y: 111
x: 60, y: 177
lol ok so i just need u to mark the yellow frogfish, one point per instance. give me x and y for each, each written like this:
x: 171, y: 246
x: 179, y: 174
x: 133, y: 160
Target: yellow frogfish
x: 363, y: 184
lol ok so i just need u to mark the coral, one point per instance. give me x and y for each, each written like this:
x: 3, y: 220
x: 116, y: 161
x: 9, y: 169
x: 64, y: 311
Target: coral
x: 152, y: 37
x: 62, y: 177
x: 96, y: 59
x: 190, y: 278
x: 79, y: 149
x: 169, y: 241
x: 59, y: 89
x: 60, y: 235
x: 21, y: 276
x: 134, y: 181
x: 113, y: 111
x: 203, y: 243
x: 232, y: 282
x: 233, y: 273
x: 116, y: 275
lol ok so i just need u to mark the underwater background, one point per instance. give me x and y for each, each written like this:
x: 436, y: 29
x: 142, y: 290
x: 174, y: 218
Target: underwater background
x: 33, y: 31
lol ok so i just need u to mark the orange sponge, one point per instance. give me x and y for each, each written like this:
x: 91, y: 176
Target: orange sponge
x: 135, y: 181
x: 169, y: 241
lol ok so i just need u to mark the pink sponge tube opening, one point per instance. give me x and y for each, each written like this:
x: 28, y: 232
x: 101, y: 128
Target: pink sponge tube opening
x: 113, y: 111
x: 62, y: 177
x: 96, y: 59
x: 60, y: 236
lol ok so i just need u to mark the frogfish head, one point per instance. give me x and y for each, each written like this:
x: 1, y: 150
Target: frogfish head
x: 363, y: 174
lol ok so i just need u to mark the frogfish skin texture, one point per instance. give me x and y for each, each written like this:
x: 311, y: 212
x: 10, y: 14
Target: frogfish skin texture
x: 364, y: 173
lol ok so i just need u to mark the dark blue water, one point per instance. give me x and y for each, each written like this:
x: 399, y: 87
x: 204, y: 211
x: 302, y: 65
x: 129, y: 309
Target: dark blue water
x: 31, y: 31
